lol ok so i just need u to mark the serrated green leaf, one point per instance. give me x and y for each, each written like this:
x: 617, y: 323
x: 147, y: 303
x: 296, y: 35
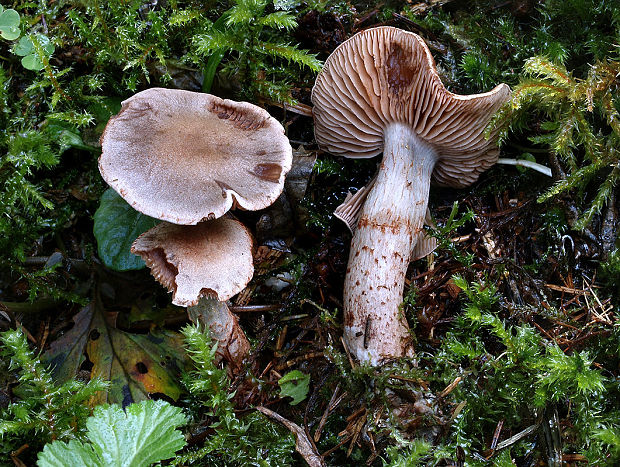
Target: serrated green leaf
x: 9, y: 24
x: 278, y: 20
x: 116, y: 226
x: 74, y: 453
x: 146, y: 433
x: 294, y: 384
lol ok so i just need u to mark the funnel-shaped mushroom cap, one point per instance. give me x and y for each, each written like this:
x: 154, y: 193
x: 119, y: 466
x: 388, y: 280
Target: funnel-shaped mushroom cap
x: 386, y: 75
x: 184, y: 157
x: 211, y: 259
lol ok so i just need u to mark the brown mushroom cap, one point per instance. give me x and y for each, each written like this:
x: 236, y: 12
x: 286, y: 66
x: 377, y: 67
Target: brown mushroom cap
x: 386, y: 75
x: 185, y: 157
x: 211, y: 259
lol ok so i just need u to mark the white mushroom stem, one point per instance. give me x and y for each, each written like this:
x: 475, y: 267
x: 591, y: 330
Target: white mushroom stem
x: 390, y: 221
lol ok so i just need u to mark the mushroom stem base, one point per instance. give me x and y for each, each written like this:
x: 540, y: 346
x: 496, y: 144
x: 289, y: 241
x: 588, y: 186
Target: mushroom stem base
x: 224, y: 328
x: 389, y: 224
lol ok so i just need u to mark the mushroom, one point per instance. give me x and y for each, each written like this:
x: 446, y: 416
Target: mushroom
x: 211, y: 259
x: 379, y: 91
x: 187, y: 158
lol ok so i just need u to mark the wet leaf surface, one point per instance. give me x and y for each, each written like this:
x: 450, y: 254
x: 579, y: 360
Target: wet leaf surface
x: 116, y: 226
x: 296, y: 385
x: 137, y: 365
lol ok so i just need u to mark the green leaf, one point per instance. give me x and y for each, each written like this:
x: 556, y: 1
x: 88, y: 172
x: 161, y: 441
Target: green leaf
x: 146, y: 433
x: 408, y: 454
x: 117, y: 225
x: 46, y: 46
x: 563, y: 376
x: 245, y: 12
x: 66, y: 135
x: 75, y: 453
x: 32, y: 62
x: 296, y: 385
x: 278, y: 20
x: 9, y: 24
x: 215, y: 59
x: 33, y: 48
x: 290, y: 53
x: 23, y: 47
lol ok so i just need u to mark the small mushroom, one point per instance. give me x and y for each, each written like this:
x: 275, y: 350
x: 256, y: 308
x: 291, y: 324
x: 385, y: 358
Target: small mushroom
x: 204, y: 265
x: 378, y: 92
x: 211, y: 259
x: 187, y: 158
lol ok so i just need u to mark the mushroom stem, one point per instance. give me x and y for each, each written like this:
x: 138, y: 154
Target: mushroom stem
x: 390, y: 221
x: 224, y: 328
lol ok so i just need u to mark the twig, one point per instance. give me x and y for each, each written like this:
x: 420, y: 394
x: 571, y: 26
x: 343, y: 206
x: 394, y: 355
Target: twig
x: 280, y: 340
x: 498, y: 430
x: 298, y: 108
x: 357, y: 429
x: 29, y: 336
x: 451, y: 387
x: 540, y: 328
x: 303, y: 445
x: 333, y: 403
x: 27, y: 307
x: 513, y: 439
x: 561, y: 288
x: 543, y: 169
x: 346, y: 349
x: 294, y: 317
x: 301, y: 358
x: 344, y: 441
x: 456, y: 412
x: 252, y: 308
x: 354, y: 415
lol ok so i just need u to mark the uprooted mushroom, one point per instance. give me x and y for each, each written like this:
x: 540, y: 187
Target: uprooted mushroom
x: 380, y: 92
x: 188, y: 158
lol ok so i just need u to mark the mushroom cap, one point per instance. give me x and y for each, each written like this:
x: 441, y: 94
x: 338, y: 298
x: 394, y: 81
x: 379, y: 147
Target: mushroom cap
x: 386, y: 75
x: 184, y: 157
x: 211, y: 259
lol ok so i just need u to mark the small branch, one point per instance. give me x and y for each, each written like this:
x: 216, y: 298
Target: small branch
x: 304, y: 445
x: 43, y: 304
x: 543, y: 169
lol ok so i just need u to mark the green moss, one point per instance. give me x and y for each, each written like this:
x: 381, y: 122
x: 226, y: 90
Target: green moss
x: 43, y: 410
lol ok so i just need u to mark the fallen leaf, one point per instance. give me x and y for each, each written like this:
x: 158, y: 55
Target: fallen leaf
x: 136, y: 365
